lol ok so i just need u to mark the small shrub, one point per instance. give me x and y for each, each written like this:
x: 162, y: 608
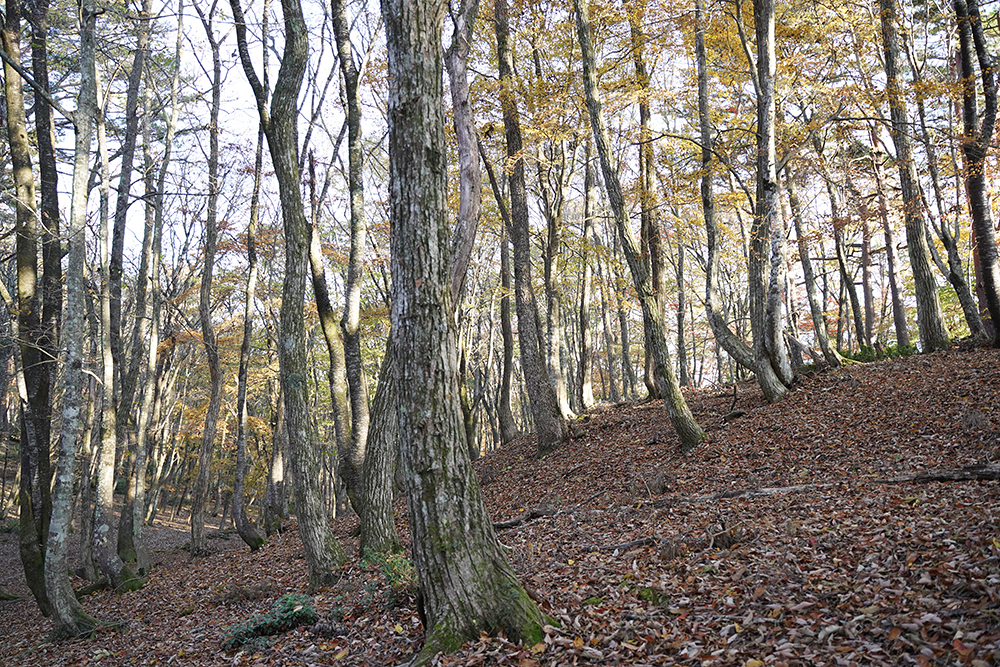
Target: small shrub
x: 399, y: 573
x: 290, y: 611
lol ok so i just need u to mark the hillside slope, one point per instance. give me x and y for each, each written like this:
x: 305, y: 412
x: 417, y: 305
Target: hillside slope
x: 642, y: 555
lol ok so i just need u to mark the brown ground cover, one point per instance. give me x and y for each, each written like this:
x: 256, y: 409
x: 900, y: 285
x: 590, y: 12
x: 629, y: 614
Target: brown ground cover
x: 644, y: 556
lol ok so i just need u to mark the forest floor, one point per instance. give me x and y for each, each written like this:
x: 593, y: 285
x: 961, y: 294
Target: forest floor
x: 642, y: 555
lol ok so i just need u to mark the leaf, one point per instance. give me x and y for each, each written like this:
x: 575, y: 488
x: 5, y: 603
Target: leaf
x: 538, y: 648
x: 341, y: 655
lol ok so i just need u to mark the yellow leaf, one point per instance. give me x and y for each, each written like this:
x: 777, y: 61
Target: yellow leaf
x: 341, y: 655
x: 399, y: 628
x: 578, y: 643
x: 754, y: 663
x: 571, y: 561
x: 538, y: 648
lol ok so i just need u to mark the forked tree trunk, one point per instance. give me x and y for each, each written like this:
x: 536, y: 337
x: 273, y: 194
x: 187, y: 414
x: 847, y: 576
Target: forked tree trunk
x: 324, y: 554
x: 468, y: 587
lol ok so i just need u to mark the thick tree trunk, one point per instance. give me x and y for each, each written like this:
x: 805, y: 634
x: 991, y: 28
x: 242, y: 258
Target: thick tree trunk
x: 467, y: 585
x: 688, y: 430
x: 550, y: 427
x: 35, y: 502
x: 933, y: 335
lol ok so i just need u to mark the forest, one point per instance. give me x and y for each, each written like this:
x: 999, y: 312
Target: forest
x: 473, y: 308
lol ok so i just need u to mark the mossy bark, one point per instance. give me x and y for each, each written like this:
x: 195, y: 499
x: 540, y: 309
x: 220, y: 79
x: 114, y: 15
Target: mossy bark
x: 467, y: 584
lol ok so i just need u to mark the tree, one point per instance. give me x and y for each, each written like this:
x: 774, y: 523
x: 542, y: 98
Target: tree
x: 69, y: 617
x: 933, y: 335
x: 975, y: 144
x: 467, y: 585
x: 323, y: 553
x: 198, y: 543
x: 35, y: 501
x: 550, y: 427
x: 688, y: 430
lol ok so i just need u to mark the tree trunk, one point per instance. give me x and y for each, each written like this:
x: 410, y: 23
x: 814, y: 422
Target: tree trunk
x: 199, y: 497
x: 324, y: 555
x: 35, y: 501
x: 688, y: 431
x: 550, y: 427
x: 975, y: 147
x: 933, y: 335
x: 891, y: 260
x: 120, y: 577
x: 737, y: 349
x: 815, y: 306
x: 766, y: 237
x: 467, y: 585
x: 586, y: 286
x: 352, y: 458
x: 246, y: 530
x: 378, y: 528
x: 69, y: 618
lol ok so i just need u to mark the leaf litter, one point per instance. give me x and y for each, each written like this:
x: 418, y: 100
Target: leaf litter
x: 788, y: 538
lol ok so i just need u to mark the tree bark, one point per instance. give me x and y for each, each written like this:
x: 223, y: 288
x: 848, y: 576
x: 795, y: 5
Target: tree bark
x: 35, y: 501
x: 69, y: 617
x: 933, y: 335
x: 352, y: 458
x: 198, y: 540
x: 975, y: 146
x: 467, y: 584
x: 586, y: 285
x: 688, y: 430
x: 246, y: 530
x: 323, y: 553
x: 550, y: 427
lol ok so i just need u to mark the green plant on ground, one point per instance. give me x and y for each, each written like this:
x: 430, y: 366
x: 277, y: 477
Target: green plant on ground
x: 290, y: 611
x: 12, y: 526
x: 399, y: 573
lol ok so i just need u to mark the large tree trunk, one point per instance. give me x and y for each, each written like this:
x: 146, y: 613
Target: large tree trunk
x: 688, y: 430
x: 550, y: 427
x: 933, y: 335
x: 974, y: 149
x: 467, y: 585
x: 69, y: 618
x: 324, y: 555
x: 35, y: 502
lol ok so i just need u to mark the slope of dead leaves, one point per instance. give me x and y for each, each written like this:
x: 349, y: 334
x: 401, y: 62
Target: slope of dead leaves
x: 643, y: 556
